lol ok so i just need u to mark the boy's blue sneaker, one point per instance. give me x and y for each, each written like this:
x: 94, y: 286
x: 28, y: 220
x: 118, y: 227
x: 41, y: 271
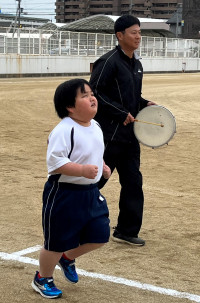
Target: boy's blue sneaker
x: 69, y: 270
x: 46, y: 287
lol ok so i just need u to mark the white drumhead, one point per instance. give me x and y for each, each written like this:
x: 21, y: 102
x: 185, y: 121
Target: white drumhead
x: 154, y: 135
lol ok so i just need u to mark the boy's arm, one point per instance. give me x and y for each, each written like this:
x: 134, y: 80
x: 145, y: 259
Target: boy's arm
x: 79, y: 170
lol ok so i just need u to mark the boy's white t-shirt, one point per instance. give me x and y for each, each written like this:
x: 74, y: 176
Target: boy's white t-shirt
x: 88, y: 148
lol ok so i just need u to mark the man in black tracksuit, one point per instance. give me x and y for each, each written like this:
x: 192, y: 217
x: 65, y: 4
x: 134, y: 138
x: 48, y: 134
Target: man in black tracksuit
x: 117, y: 82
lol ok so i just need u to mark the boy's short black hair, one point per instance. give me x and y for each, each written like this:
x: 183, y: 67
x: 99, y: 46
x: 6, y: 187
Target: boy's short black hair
x: 65, y: 95
x: 125, y: 21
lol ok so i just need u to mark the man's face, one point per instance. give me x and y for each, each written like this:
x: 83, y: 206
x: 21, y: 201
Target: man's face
x: 130, y: 38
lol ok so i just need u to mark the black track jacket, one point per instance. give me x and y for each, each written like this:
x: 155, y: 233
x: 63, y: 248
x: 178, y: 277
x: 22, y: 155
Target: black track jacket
x: 117, y: 83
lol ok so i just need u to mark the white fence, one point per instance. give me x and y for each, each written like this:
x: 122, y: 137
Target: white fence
x: 44, y: 42
x: 48, y: 53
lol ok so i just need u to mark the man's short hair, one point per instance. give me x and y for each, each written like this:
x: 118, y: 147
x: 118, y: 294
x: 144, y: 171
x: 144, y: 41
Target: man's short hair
x: 125, y: 21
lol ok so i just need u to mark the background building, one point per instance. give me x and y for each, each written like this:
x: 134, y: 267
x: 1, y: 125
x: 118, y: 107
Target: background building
x: 13, y: 21
x: 175, y: 22
x: 71, y: 10
x: 159, y: 9
x: 191, y: 19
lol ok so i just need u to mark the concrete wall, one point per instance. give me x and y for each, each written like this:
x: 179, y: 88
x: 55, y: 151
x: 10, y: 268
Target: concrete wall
x: 163, y: 65
x: 14, y: 65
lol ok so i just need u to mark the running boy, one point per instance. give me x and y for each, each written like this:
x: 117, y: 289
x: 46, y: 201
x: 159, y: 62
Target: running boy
x: 75, y: 214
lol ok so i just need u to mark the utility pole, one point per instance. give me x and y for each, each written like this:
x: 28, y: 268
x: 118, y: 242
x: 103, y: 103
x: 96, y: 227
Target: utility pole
x: 87, y: 8
x: 177, y: 24
x: 19, y: 12
x: 130, y: 7
x: 17, y: 16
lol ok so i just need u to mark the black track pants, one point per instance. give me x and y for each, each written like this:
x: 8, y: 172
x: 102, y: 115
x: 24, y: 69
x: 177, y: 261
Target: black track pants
x: 125, y: 157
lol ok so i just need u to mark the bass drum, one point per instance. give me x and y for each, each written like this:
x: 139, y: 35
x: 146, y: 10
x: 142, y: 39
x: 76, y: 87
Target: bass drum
x: 155, y: 127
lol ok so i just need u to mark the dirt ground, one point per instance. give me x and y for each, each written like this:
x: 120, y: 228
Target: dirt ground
x: 171, y: 174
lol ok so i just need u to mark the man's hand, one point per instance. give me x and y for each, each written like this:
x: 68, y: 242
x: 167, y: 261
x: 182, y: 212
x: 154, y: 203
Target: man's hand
x: 106, y: 171
x: 151, y: 103
x: 129, y: 119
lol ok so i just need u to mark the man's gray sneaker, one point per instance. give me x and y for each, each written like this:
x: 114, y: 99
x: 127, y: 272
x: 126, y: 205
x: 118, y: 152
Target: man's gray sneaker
x: 118, y: 237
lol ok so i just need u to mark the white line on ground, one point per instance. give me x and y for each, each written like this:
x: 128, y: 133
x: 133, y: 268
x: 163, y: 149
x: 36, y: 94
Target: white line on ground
x: 28, y: 250
x: 16, y: 256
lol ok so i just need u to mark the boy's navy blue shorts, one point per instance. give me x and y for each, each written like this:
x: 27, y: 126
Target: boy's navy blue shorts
x: 73, y: 215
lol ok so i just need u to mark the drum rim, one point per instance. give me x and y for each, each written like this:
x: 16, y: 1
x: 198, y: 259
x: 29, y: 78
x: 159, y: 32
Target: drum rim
x: 173, y: 133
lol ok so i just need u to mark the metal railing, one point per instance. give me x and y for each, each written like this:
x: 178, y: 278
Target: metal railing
x: 66, y: 43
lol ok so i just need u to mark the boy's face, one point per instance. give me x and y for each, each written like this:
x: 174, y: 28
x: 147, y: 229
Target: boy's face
x: 85, y: 106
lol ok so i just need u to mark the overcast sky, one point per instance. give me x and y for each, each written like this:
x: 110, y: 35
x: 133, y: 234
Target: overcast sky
x: 33, y: 8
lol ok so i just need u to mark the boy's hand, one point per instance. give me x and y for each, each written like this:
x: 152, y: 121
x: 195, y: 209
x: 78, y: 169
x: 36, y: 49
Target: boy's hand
x: 89, y: 171
x: 106, y: 171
